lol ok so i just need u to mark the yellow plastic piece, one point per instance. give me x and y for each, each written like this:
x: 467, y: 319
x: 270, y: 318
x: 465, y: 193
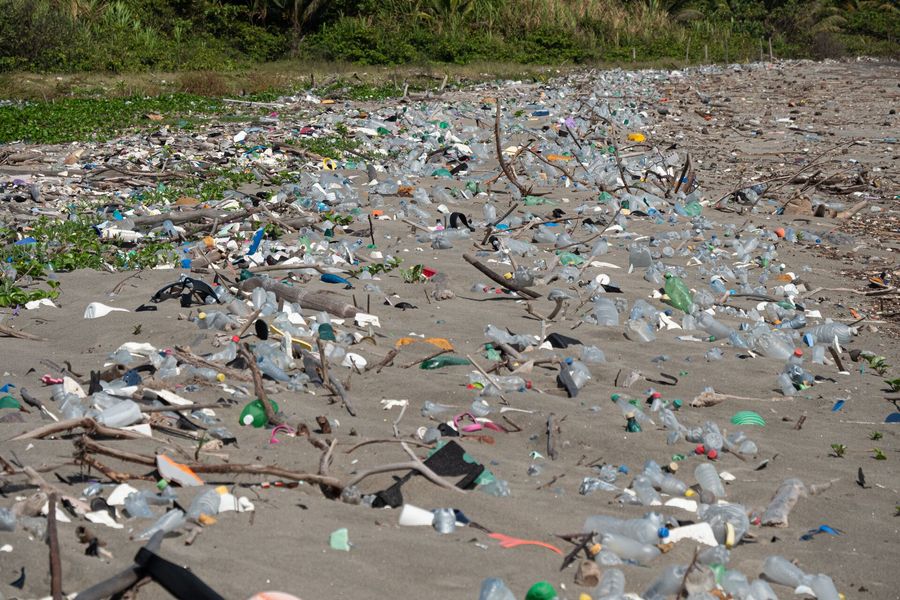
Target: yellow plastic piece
x: 303, y: 344
x: 729, y: 535
x: 689, y: 493
x: 220, y: 377
x: 636, y: 137
x: 441, y: 343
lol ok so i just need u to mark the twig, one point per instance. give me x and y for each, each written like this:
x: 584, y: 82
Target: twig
x: 88, y: 424
x: 551, y: 437
x: 53, y: 542
x: 525, y: 292
x: 259, y: 389
x: 489, y: 377
x: 503, y: 165
x: 386, y: 441
x: 388, y: 359
x: 427, y: 358
x: 184, y: 354
x: 10, y: 332
x: 396, y: 424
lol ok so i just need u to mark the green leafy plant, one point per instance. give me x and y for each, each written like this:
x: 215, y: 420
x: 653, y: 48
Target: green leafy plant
x: 375, y: 269
x: 838, y: 450
x: 879, y: 455
x: 875, y: 436
x: 13, y: 295
x: 413, y: 274
x: 894, y: 384
x: 878, y: 364
x: 336, y: 218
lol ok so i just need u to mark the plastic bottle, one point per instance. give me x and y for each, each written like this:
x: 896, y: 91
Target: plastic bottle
x: 7, y: 520
x: 494, y: 588
x: 227, y: 354
x: 573, y: 376
x: 679, y: 294
x: 254, y: 414
x: 445, y: 360
x: 136, y: 506
x: 717, y: 515
x: 825, y: 334
x: 605, y: 312
x: 629, y: 549
x: 761, y: 590
x: 773, y: 346
x: 122, y: 414
x: 784, y: 500
x: 639, y: 331
x: 611, y: 586
x: 170, y: 521
x: 715, y: 328
x: 736, y: 584
x: 507, y: 383
x: 709, y: 480
x: 780, y: 570
x: 667, y: 584
x: 444, y: 520
x: 646, y: 530
x: 205, y: 503
x: 645, y: 492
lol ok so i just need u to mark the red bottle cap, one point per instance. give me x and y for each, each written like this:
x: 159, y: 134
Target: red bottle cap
x: 700, y: 449
x: 712, y: 454
x: 235, y: 339
x: 798, y: 352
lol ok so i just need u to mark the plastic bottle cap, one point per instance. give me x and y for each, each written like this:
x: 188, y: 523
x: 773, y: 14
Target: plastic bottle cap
x: 700, y: 449
x: 595, y: 549
x: 615, y: 397
x: 542, y: 590
x: 235, y: 339
x: 712, y: 454
x: 201, y: 315
x: 673, y: 467
x: 663, y: 532
x: 247, y: 420
x: 689, y: 493
x: 569, y: 360
x: 655, y: 395
x: 798, y: 352
x: 677, y: 403
x: 162, y: 484
x: 220, y: 377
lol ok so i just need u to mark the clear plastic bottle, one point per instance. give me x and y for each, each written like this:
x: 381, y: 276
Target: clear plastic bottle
x: 507, y: 383
x: 629, y: 549
x: 825, y: 334
x: 136, y: 506
x: 204, y: 503
x: 784, y: 500
x: 780, y: 570
x: 122, y: 414
x: 645, y: 530
x: 494, y: 588
x: 717, y: 515
x: 639, y: 331
x: 605, y: 312
x: 736, y: 584
x: 645, y: 491
x: 611, y: 586
x: 170, y: 521
x: 709, y: 480
x: 761, y: 590
x: 7, y: 520
x: 713, y: 327
x: 667, y: 584
x: 227, y: 354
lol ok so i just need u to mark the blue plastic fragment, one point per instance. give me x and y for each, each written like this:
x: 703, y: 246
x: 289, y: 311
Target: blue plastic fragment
x: 837, y: 406
x: 257, y: 240
x: 332, y: 278
x: 892, y: 418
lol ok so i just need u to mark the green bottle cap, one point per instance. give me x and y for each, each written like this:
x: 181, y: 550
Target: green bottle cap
x: 615, y: 397
x: 542, y: 590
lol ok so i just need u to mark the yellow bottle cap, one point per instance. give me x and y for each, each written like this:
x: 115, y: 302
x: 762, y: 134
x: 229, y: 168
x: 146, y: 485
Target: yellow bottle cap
x: 220, y: 377
x: 201, y: 315
x: 689, y: 493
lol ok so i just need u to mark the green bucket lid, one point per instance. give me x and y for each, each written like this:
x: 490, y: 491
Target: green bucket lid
x: 748, y: 417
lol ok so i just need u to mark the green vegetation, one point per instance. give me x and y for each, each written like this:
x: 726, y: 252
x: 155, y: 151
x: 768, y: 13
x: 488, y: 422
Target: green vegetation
x: 838, y: 450
x: 97, y: 119
x: 57, y: 246
x: 894, y: 384
x: 878, y: 454
x: 413, y: 274
x: 220, y: 35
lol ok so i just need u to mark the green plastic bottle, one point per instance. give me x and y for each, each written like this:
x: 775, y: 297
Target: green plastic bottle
x: 446, y: 360
x: 254, y: 414
x: 679, y: 295
x: 693, y: 208
x: 542, y: 590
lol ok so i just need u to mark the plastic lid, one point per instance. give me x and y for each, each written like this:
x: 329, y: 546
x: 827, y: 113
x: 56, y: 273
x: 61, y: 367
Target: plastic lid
x: 542, y: 590
x: 712, y: 454
x: 663, y: 532
x: 615, y: 397
x: 247, y: 420
x: 677, y: 403
x: 798, y: 352
x: 569, y: 360
x: 235, y: 339
x: 201, y: 315
x: 162, y: 484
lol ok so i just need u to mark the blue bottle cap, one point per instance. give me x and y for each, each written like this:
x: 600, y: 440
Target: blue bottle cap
x: 185, y: 263
x: 663, y: 532
x: 568, y: 360
x: 623, y: 469
x: 809, y: 340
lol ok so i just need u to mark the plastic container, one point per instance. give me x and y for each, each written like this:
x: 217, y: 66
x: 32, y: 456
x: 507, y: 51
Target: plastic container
x: 123, y: 414
x: 629, y: 549
x: 645, y: 530
x: 679, y: 294
x: 717, y: 515
x: 715, y: 328
x: 170, y: 521
x: 667, y: 584
x: 612, y: 585
x: 784, y: 500
x: 7, y: 520
x: 205, y: 503
x: 605, y: 312
x: 825, y: 334
x: 493, y: 588
x: 709, y: 480
x: 780, y: 570
x: 137, y: 507
x: 645, y: 492
x: 444, y: 520
x: 639, y: 331
x: 254, y: 414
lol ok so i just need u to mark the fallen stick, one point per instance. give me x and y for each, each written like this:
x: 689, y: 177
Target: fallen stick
x: 185, y: 355
x: 498, y: 279
x: 35, y: 479
x: 388, y: 359
x: 489, y: 377
x: 427, y: 358
x: 551, y: 437
x: 386, y: 441
x: 89, y: 425
x: 53, y: 542
x: 258, y: 387
x: 10, y: 332
x: 312, y: 300
x: 503, y: 164
x: 188, y: 216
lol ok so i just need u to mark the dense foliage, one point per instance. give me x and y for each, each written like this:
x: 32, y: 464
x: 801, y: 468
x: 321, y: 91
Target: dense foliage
x: 135, y: 35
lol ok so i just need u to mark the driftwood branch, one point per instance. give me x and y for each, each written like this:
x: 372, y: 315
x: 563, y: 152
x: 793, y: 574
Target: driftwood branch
x: 498, y: 279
